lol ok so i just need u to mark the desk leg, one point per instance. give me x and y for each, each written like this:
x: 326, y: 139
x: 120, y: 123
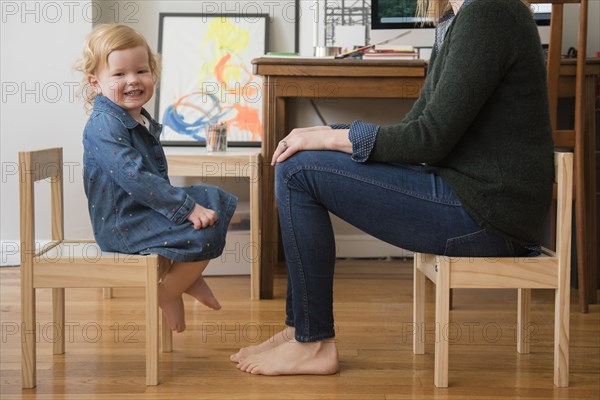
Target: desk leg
x: 585, y: 201
x: 591, y: 252
x: 255, y: 229
x: 581, y: 225
x: 274, y: 117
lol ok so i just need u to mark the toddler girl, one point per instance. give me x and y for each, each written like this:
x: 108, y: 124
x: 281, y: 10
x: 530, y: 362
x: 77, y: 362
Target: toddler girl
x: 132, y: 205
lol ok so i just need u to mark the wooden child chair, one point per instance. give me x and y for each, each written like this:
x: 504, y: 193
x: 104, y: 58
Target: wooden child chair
x: 551, y: 270
x: 66, y: 264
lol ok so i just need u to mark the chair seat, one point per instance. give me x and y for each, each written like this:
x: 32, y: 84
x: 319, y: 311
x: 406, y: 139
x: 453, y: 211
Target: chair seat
x: 496, y: 273
x: 64, y: 264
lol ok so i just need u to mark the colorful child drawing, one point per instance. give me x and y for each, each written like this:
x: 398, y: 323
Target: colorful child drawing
x: 224, y: 89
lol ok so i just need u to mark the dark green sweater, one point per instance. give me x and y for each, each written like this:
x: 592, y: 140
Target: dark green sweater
x: 482, y: 121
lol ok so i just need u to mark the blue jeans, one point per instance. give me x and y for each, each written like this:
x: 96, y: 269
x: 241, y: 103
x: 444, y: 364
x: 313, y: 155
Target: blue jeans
x: 400, y: 204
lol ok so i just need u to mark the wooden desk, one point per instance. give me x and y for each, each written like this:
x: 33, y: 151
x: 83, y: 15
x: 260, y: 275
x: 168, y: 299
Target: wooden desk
x: 235, y: 163
x: 285, y: 78
x: 317, y: 79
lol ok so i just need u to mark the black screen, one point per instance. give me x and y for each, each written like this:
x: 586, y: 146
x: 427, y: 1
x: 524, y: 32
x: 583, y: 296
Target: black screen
x: 400, y: 14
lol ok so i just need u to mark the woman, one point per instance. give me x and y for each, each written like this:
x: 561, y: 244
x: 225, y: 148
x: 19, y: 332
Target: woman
x: 468, y: 172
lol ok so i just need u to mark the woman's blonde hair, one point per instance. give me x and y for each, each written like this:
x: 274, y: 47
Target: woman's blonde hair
x: 435, y: 9
x: 103, y: 40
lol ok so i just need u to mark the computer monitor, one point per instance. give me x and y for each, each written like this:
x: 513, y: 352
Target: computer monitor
x: 400, y: 14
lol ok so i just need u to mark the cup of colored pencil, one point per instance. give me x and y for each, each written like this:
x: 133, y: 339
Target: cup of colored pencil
x: 216, y: 137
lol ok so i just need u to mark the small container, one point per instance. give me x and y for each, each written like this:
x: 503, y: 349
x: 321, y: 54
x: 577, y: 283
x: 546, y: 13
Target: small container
x: 327, y: 51
x: 216, y: 137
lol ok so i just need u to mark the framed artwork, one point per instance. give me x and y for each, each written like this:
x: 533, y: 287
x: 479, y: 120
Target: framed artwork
x: 207, y: 77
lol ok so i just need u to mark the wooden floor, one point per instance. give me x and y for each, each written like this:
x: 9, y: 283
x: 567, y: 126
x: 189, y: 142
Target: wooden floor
x: 373, y: 311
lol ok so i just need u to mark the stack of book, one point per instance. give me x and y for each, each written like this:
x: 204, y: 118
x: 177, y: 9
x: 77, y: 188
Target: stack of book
x: 391, y: 52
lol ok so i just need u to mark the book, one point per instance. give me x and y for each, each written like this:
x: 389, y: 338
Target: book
x: 390, y: 55
x: 393, y: 48
x: 281, y: 54
x: 391, y: 52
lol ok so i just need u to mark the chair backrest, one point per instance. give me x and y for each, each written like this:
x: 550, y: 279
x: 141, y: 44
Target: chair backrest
x: 566, y: 138
x: 35, y: 166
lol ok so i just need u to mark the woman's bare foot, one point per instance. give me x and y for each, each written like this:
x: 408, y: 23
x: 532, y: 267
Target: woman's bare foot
x: 201, y: 292
x: 172, y: 307
x: 285, y: 335
x: 294, y: 358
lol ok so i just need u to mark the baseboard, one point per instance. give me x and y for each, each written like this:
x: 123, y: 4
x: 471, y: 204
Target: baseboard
x: 365, y: 246
x: 236, y: 256
x: 9, y: 254
x: 235, y: 261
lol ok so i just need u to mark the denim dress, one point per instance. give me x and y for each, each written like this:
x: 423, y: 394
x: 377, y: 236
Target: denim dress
x: 133, y: 207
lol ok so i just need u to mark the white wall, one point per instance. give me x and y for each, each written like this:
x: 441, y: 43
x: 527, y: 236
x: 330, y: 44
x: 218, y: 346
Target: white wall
x: 40, y: 41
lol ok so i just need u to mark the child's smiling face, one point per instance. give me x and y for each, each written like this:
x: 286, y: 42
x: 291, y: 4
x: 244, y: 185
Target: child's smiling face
x: 126, y: 79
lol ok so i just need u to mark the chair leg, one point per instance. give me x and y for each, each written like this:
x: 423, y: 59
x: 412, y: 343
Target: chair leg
x: 523, y: 318
x: 58, y: 318
x: 152, y: 324
x: 442, y: 319
x: 166, y: 336
x: 561, y: 332
x: 418, y: 307
x: 28, y: 334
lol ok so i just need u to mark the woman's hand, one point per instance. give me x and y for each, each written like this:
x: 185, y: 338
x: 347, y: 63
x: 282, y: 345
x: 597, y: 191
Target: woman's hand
x: 313, y: 138
x: 202, y: 217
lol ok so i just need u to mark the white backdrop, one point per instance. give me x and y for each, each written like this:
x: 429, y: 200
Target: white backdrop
x: 40, y: 41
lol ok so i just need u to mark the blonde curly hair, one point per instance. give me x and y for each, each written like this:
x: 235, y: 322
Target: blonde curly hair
x: 103, y: 40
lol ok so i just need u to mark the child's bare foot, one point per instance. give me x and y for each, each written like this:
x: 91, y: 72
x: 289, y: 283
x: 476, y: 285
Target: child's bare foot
x: 294, y: 358
x: 285, y: 335
x: 172, y: 307
x: 201, y: 292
